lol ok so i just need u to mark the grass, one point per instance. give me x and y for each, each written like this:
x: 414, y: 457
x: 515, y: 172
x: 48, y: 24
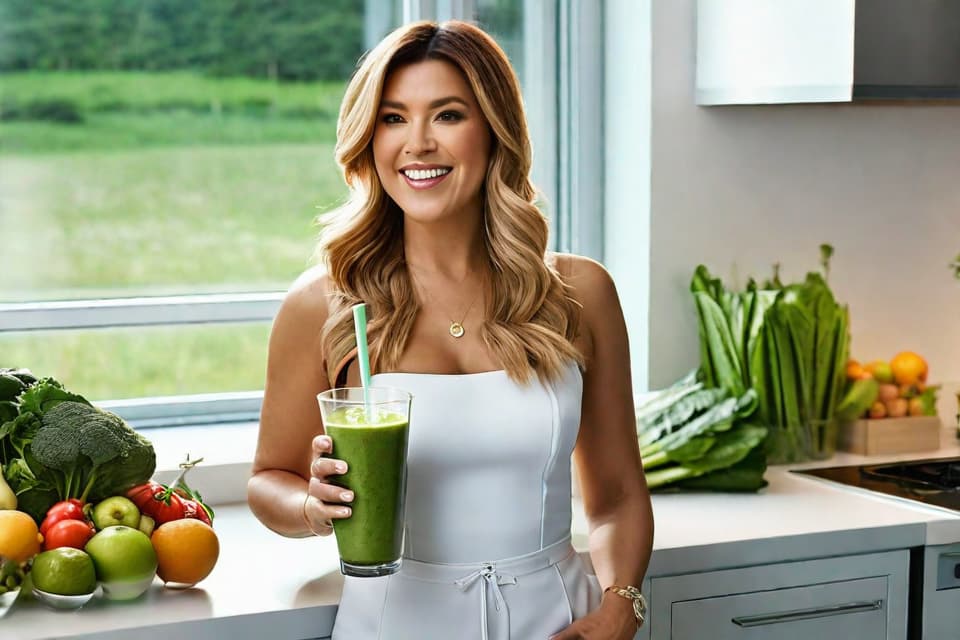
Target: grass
x: 134, y: 110
x: 204, y: 218
x: 127, y: 131
x: 127, y: 91
x: 152, y: 194
x: 109, y: 364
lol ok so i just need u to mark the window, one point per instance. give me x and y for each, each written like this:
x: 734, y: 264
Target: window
x: 162, y: 163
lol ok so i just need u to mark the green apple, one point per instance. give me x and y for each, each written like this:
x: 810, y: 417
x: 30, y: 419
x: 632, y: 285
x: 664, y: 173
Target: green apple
x: 147, y: 524
x: 64, y: 571
x: 115, y: 511
x: 124, y: 560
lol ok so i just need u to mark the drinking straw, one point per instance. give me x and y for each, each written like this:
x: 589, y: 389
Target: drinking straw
x: 363, y: 355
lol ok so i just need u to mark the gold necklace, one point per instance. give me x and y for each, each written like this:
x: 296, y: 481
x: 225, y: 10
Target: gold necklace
x: 456, y: 328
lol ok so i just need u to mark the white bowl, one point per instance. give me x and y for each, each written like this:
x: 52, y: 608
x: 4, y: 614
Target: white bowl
x: 56, y: 601
x: 126, y: 589
x: 7, y: 599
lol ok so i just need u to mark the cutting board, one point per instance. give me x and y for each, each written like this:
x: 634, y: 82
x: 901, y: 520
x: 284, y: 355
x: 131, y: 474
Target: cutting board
x: 890, y: 435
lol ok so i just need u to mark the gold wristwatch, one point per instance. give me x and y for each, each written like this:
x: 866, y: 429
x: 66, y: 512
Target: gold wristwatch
x: 633, y: 594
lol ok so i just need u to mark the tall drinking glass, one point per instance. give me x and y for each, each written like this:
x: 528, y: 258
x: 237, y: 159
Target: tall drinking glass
x: 370, y: 435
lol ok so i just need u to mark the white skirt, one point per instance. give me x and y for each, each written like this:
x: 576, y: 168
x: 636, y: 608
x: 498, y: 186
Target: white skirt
x: 530, y: 596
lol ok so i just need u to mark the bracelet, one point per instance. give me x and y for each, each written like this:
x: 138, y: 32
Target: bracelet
x: 633, y: 594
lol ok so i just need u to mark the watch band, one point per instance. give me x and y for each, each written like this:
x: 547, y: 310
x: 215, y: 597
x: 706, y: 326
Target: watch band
x: 633, y: 594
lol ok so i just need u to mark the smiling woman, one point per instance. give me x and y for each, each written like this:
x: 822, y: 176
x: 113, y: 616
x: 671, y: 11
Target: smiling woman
x: 433, y: 143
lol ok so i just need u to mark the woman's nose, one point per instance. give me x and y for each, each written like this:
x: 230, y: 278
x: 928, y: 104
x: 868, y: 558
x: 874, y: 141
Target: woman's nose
x: 420, y: 140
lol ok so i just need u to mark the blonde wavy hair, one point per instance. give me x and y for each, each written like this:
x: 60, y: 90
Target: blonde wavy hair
x: 531, y: 317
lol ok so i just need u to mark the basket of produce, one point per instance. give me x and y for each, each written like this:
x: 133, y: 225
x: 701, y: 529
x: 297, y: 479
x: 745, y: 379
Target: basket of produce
x: 889, y: 407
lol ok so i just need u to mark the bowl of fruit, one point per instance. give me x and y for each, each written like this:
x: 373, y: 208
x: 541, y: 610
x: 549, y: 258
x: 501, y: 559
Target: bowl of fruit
x: 12, y: 574
x: 63, y: 578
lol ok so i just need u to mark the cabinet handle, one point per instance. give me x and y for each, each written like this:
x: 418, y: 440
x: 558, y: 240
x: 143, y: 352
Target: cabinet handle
x: 805, y: 614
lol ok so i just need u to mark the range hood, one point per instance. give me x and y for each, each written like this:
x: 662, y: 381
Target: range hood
x: 775, y: 51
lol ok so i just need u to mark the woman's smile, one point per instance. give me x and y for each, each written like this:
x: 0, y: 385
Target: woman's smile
x: 424, y: 177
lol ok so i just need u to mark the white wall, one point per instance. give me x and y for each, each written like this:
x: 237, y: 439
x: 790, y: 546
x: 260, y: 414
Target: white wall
x: 739, y: 188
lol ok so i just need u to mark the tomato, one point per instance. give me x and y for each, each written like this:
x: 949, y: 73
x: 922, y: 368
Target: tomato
x: 165, y: 506
x: 68, y: 533
x: 157, y: 501
x: 195, y: 510
x: 65, y: 510
x: 177, y: 500
x: 142, y: 495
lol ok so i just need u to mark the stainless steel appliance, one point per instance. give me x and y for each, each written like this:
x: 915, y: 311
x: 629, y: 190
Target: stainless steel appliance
x: 934, y: 612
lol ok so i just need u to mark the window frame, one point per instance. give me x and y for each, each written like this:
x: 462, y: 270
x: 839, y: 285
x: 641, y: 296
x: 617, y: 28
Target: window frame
x: 565, y: 94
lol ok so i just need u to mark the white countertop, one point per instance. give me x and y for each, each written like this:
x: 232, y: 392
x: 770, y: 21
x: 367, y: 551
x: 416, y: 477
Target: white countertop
x: 265, y: 585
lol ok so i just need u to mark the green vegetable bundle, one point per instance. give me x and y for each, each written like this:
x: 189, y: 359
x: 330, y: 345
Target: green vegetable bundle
x: 56, y: 446
x: 692, y: 437
x: 788, y: 343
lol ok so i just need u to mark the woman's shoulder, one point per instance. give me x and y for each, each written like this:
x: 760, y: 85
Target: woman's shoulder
x: 307, y: 301
x: 588, y: 280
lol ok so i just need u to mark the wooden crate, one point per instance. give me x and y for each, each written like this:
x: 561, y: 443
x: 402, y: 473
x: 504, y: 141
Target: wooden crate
x: 890, y: 435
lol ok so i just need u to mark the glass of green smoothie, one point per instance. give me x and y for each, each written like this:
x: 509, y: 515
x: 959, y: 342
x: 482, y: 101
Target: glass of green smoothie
x: 369, y: 429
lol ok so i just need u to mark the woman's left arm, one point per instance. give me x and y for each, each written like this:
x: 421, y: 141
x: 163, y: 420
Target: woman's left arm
x: 615, y: 495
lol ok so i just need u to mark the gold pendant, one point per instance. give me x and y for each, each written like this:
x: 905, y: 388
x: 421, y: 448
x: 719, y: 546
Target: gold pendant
x: 456, y: 329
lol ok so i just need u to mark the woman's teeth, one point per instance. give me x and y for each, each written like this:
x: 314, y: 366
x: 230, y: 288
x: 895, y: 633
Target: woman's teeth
x: 425, y: 174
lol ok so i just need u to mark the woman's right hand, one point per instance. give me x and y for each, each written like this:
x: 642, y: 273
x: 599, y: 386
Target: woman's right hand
x: 325, y: 501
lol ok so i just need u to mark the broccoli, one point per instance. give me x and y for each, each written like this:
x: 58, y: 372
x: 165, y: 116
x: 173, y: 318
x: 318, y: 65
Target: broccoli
x: 95, y: 452
x: 66, y: 448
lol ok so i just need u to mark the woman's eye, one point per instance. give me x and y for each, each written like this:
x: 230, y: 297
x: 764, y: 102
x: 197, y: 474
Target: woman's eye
x: 391, y: 118
x: 450, y: 116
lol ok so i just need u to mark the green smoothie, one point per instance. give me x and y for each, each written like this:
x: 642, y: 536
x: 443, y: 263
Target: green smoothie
x: 376, y: 457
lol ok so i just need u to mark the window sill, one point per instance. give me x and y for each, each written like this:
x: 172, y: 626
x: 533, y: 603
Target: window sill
x: 227, y: 451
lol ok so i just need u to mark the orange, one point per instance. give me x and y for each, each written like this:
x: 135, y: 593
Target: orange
x: 19, y: 537
x: 855, y: 370
x: 187, y: 550
x: 908, y: 368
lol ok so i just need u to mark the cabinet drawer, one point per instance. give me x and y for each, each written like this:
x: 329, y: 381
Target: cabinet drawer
x: 698, y: 606
x: 850, y: 609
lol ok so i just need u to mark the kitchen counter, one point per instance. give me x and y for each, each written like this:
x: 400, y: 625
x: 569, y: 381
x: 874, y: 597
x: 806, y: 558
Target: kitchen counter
x: 265, y: 585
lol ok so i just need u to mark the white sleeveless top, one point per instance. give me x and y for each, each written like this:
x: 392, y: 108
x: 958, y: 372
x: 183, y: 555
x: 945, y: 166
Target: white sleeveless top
x: 487, y: 515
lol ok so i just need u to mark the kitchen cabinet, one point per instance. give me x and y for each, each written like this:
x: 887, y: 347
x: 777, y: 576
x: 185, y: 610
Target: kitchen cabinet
x: 792, y: 51
x: 861, y: 597
x: 763, y: 51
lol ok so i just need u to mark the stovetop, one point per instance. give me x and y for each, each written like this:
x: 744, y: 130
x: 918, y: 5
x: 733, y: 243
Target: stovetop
x: 935, y: 481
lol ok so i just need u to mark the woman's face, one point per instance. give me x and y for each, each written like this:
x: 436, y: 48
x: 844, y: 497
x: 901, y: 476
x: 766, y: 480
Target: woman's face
x: 431, y: 143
